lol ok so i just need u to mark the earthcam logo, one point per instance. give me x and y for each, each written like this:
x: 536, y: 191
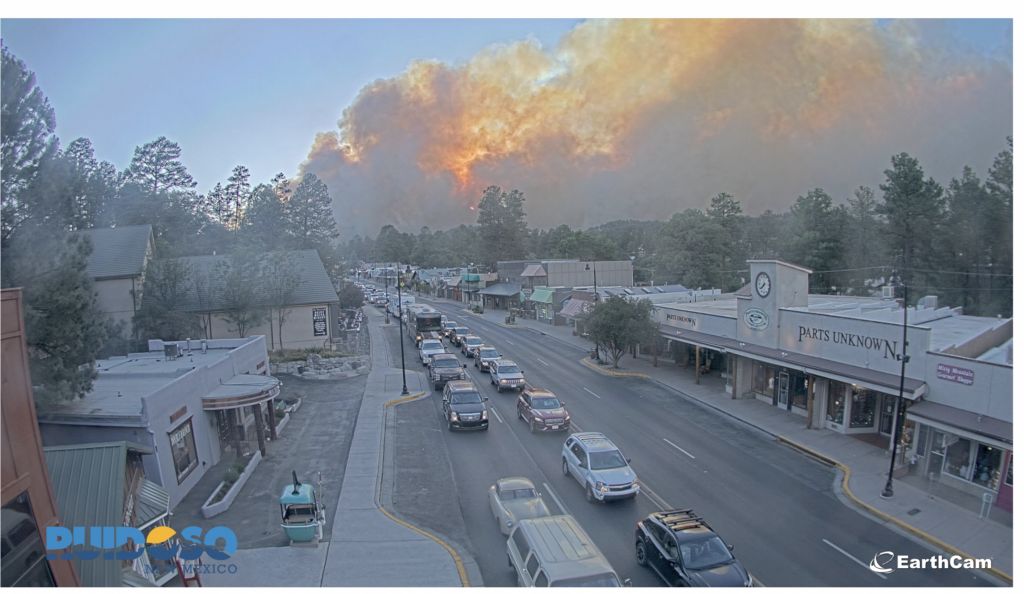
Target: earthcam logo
x: 881, y: 560
x: 114, y: 538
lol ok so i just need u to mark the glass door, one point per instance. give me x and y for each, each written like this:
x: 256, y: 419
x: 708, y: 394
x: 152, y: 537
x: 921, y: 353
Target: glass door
x: 783, y: 390
x: 888, y: 415
x: 936, y: 453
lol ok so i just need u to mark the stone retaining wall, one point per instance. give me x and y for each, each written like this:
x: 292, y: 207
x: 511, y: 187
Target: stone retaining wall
x: 316, y: 367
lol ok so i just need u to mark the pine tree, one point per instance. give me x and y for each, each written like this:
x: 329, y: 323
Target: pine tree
x: 156, y: 167
x: 309, y: 220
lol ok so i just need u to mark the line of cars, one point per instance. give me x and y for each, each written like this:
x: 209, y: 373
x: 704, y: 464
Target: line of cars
x: 554, y: 550
x: 372, y: 295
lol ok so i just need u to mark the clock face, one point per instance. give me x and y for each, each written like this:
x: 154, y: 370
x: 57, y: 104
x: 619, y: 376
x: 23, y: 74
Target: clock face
x: 763, y: 284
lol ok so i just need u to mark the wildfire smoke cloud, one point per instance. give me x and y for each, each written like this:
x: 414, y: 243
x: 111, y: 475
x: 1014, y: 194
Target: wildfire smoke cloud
x: 642, y: 118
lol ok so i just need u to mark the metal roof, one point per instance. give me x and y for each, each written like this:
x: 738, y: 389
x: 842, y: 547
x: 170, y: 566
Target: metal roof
x: 574, y: 308
x: 152, y: 503
x: 534, y: 270
x: 963, y: 419
x: 314, y: 285
x: 542, y: 295
x: 88, y: 483
x: 117, y: 252
x: 501, y: 290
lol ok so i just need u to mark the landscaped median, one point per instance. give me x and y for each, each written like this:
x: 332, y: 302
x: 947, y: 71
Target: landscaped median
x: 609, y: 372
x: 884, y: 516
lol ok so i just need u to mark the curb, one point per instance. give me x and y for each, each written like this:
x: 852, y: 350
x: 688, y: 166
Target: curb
x: 884, y: 516
x: 615, y: 373
x: 463, y: 576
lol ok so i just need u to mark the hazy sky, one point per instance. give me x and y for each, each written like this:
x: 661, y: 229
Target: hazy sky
x: 593, y: 120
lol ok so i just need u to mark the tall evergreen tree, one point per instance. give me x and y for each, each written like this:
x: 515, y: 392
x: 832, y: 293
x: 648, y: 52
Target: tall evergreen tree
x: 155, y: 167
x: 816, y: 239
x: 864, y: 251
x: 502, y: 223
x: 309, y: 220
x: 728, y: 214
x: 237, y: 193
x: 264, y: 221
x: 912, y: 208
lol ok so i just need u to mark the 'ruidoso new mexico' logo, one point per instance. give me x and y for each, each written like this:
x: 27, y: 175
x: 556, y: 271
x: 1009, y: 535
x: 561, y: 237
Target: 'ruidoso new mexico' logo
x: 112, y: 539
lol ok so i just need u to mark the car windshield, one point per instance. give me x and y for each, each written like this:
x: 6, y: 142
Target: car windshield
x: 449, y: 325
x: 601, y: 580
x: 702, y: 554
x: 446, y: 363
x: 433, y: 347
x: 545, y: 403
x: 472, y: 341
x: 488, y: 354
x: 508, y: 369
x: 465, y: 398
x: 510, y: 494
x: 606, y: 460
x: 461, y: 330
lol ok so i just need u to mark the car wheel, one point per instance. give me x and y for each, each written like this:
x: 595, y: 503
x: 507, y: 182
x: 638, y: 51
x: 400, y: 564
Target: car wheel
x: 519, y: 413
x: 437, y: 387
x: 565, y: 467
x: 533, y: 426
x: 589, y: 494
x: 492, y: 381
x: 641, y: 553
x: 450, y: 427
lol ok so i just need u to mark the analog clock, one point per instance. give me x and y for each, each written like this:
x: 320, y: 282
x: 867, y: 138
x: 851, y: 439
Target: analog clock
x: 763, y: 284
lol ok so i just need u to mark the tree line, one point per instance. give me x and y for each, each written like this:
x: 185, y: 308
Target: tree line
x: 49, y: 191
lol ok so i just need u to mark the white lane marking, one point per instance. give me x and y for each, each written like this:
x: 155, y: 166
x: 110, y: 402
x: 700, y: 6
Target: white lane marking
x: 679, y: 448
x: 509, y: 341
x: 542, y: 361
x: 494, y: 412
x: 855, y: 560
x: 592, y: 393
x: 555, y: 497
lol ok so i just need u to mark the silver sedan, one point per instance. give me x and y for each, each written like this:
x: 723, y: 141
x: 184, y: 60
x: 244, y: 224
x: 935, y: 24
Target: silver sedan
x: 514, y: 499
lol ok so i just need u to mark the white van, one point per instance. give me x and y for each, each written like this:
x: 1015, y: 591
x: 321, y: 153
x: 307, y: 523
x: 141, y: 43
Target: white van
x: 556, y: 552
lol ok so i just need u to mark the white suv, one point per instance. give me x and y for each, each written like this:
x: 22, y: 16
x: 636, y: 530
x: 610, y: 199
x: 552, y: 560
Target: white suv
x: 594, y: 461
x: 429, y: 348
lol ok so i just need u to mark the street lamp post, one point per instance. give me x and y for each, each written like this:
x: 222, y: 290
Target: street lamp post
x: 894, y: 281
x: 597, y: 299
x: 387, y: 316
x: 401, y: 332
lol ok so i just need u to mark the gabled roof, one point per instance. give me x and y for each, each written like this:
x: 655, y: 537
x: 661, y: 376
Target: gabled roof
x: 502, y: 290
x: 534, y: 270
x: 88, y: 483
x: 314, y: 284
x: 541, y: 295
x: 117, y: 252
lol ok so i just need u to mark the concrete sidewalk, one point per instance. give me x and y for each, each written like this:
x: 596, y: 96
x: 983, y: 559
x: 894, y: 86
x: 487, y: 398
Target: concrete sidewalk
x: 368, y: 546
x: 911, y: 510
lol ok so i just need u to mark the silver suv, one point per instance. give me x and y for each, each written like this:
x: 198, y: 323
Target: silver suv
x: 506, y: 375
x: 470, y: 344
x: 594, y: 461
x: 484, y: 357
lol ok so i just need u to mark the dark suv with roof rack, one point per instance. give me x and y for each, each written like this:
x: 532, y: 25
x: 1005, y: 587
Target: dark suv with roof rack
x: 684, y: 551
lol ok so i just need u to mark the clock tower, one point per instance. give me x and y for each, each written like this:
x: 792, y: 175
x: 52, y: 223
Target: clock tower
x: 774, y: 284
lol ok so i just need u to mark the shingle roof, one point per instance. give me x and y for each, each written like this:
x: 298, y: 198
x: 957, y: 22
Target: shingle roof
x: 964, y: 419
x: 314, y: 284
x: 117, y: 252
x: 88, y: 483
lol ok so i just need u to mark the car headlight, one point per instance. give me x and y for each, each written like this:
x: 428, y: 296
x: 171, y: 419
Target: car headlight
x: 484, y: 415
x: 566, y: 418
x: 504, y: 381
x: 636, y: 483
x: 538, y: 419
x: 453, y: 416
x: 601, y: 486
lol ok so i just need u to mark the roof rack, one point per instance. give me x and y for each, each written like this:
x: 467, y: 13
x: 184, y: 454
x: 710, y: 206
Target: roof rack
x: 681, y: 519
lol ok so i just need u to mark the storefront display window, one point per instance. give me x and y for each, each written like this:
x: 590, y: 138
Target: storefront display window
x: 764, y: 379
x: 800, y: 386
x: 1009, y: 471
x: 987, y: 463
x: 862, y: 408
x: 836, y: 402
x: 958, y: 457
x: 183, y: 450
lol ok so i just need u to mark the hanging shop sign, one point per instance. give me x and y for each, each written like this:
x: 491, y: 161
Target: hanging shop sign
x: 955, y: 374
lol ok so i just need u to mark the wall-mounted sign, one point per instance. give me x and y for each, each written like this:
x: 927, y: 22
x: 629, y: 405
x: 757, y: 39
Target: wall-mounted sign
x: 755, y: 319
x: 319, y: 321
x: 852, y: 339
x: 685, y: 320
x: 955, y: 374
x: 178, y: 414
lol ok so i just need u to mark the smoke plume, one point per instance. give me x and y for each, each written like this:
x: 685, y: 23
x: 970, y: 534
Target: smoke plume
x: 644, y: 118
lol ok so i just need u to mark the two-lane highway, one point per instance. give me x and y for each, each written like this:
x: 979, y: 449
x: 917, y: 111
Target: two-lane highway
x: 775, y: 505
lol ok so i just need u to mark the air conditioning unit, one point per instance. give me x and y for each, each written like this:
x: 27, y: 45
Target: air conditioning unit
x: 888, y: 292
x: 171, y: 351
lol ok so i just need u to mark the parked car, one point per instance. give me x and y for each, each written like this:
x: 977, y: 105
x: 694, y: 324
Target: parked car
x: 445, y: 367
x: 446, y: 328
x: 429, y: 348
x: 542, y: 411
x: 506, y: 375
x: 684, y: 551
x: 599, y: 466
x: 484, y: 356
x: 457, y: 333
x: 470, y: 344
x: 463, y: 406
x: 514, y: 499
x: 556, y: 552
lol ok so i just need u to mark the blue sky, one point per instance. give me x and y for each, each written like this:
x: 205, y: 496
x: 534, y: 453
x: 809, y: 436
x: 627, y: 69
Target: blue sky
x: 231, y: 92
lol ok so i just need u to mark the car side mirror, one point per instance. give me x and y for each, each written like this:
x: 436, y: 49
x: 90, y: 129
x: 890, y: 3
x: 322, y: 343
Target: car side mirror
x: 627, y: 582
x: 464, y: 365
x: 729, y: 547
x: 562, y: 403
x: 582, y: 465
x: 628, y: 460
x: 486, y: 398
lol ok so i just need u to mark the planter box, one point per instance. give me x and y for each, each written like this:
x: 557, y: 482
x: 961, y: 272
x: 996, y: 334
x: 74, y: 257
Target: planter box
x: 209, y: 510
x: 295, y: 407
x: 284, y: 421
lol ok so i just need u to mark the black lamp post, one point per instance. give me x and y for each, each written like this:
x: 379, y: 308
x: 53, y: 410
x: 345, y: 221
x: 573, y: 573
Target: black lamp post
x: 401, y: 332
x: 894, y: 281
x: 597, y: 299
x: 387, y: 316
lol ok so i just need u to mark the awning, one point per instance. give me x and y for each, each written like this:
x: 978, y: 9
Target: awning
x: 574, y: 308
x: 869, y: 378
x: 933, y: 413
x: 453, y: 281
x: 152, y: 502
x: 501, y: 290
x: 242, y: 390
x: 534, y: 270
x: 542, y: 295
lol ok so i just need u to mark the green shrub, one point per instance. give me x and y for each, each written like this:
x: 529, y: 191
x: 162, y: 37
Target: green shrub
x: 478, y: 309
x: 231, y: 475
x: 240, y: 465
x: 290, y: 400
x: 278, y: 413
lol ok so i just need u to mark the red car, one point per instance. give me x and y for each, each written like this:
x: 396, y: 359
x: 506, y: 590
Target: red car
x: 542, y: 411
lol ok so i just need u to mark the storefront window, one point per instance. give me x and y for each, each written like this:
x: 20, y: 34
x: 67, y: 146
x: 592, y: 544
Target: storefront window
x: 862, y: 408
x: 987, y: 463
x: 836, y: 402
x: 183, y: 450
x: 800, y: 385
x: 764, y: 379
x: 958, y: 457
x: 1009, y: 471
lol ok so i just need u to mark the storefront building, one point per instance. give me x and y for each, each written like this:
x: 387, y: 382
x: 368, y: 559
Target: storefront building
x: 190, y: 402
x: 836, y: 362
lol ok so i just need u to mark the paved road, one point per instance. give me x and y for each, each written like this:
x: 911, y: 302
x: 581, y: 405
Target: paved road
x: 776, y: 506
